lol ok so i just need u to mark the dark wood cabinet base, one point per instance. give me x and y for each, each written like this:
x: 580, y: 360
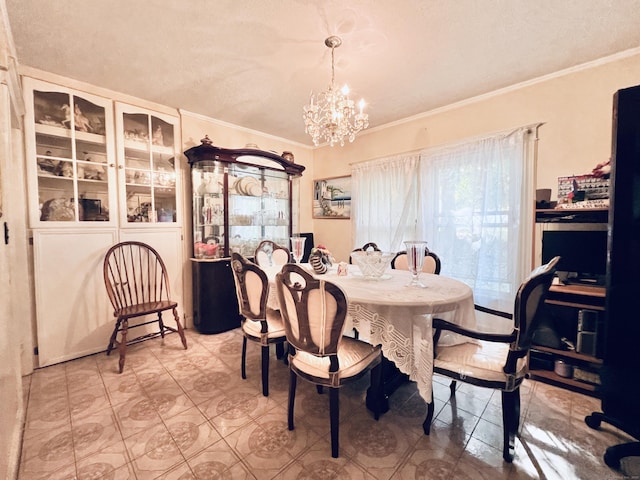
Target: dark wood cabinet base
x: 215, y: 304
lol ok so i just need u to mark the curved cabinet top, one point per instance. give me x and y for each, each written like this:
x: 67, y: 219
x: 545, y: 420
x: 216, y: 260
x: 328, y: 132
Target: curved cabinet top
x: 206, y: 151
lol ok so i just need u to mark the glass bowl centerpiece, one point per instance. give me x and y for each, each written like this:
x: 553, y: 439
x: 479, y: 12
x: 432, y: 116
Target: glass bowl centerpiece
x: 372, y: 264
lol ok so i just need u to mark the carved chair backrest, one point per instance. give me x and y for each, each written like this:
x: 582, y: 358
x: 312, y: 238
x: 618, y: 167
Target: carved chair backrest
x: 269, y: 253
x: 431, y: 263
x: 252, y: 287
x: 313, y: 310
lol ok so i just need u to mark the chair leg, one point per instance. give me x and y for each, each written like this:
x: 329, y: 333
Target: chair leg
x: 452, y: 387
x: 293, y: 379
x: 319, y: 389
x: 510, y: 422
x: 279, y: 350
x: 243, y: 362
x: 123, y: 343
x: 334, y: 414
x: 161, y: 325
x: 426, y: 425
x: 112, y: 340
x: 180, y: 329
x: 265, y: 370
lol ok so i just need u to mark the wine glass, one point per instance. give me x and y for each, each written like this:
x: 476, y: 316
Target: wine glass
x: 297, y: 248
x: 415, y: 260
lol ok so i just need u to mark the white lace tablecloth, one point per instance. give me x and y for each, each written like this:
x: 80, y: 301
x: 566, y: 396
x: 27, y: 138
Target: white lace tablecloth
x: 398, y: 317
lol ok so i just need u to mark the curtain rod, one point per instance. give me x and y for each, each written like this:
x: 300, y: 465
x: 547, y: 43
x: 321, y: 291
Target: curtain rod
x: 531, y: 128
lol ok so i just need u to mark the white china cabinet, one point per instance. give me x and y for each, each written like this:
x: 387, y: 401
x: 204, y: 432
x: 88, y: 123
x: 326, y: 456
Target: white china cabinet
x: 92, y: 183
x: 70, y: 148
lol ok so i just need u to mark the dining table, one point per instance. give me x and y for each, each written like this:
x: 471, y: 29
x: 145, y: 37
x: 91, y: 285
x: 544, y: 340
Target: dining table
x: 387, y: 312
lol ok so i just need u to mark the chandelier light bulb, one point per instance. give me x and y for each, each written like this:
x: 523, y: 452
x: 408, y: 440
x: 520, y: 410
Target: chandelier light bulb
x: 331, y: 116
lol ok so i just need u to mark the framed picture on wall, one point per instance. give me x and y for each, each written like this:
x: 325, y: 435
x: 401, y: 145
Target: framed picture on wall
x: 332, y: 197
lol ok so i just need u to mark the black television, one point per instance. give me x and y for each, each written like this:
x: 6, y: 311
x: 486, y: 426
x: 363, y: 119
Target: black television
x: 583, y: 254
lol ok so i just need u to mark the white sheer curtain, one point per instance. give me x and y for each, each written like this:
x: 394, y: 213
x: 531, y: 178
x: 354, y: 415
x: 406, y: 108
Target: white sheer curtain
x: 476, y: 207
x: 384, y: 201
x: 471, y: 201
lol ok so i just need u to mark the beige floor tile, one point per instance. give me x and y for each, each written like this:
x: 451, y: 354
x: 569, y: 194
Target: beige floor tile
x: 268, y: 446
x: 192, y: 432
x: 218, y: 461
x: 47, y: 453
x: 95, y: 433
x: 317, y: 463
x: 432, y: 464
x: 234, y: 408
x: 106, y: 462
x: 136, y: 415
x: 379, y: 446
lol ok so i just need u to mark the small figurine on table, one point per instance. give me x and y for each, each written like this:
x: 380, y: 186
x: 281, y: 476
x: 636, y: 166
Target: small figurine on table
x: 320, y: 259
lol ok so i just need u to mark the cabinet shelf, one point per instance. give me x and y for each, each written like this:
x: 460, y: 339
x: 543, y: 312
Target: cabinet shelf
x: 553, y: 378
x: 91, y: 180
x: 145, y: 147
x: 588, y: 306
x: 569, y: 354
x: 54, y: 178
x: 53, y: 131
x: 572, y: 215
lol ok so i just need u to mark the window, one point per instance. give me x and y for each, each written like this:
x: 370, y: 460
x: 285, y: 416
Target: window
x: 471, y: 201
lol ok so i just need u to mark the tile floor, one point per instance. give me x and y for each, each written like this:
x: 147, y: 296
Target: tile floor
x: 176, y: 414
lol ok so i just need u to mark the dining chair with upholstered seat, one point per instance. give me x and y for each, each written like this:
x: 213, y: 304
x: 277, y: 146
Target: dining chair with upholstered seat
x: 269, y: 253
x: 137, y: 284
x: 259, y: 323
x: 497, y: 361
x: 431, y: 263
x: 314, y: 313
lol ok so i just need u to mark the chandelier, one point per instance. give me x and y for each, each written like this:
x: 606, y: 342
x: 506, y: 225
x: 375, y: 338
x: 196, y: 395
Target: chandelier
x: 331, y: 116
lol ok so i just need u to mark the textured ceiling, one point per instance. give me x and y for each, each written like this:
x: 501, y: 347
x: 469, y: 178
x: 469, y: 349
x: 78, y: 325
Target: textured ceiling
x: 255, y: 62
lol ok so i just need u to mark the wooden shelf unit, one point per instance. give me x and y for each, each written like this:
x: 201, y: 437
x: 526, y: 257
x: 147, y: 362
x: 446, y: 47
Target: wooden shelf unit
x: 563, y: 306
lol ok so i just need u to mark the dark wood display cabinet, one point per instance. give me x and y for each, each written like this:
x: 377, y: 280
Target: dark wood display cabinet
x: 240, y: 197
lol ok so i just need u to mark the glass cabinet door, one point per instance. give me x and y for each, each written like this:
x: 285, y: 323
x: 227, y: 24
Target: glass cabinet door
x: 207, y: 180
x: 147, y: 152
x: 72, y: 151
x: 259, y: 207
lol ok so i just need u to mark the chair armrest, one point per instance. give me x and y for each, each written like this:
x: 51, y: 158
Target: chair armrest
x: 439, y: 324
x: 491, y: 311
